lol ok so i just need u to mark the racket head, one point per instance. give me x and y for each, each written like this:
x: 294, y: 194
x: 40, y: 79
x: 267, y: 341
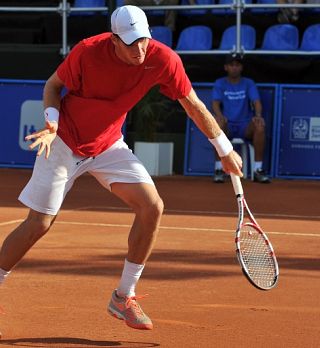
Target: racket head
x: 256, y: 256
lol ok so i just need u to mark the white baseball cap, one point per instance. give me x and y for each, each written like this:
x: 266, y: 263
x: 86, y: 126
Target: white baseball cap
x: 130, y: 23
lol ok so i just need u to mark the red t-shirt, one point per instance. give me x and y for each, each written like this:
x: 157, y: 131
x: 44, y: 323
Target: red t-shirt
x: 102, y: 89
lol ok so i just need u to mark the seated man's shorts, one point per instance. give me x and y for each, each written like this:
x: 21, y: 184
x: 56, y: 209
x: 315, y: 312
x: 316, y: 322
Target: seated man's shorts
x: 237, y: 130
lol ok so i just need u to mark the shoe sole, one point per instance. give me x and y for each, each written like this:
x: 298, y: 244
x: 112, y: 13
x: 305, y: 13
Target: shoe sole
x: 262, y: 182
x: 119, y: 316
x: 115, y: 314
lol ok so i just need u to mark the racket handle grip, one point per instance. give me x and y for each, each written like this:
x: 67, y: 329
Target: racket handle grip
x: 236, y: 183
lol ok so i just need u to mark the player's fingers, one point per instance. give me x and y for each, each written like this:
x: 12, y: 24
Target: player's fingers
x: 41, y: 148
x: 31, y: 136
x: 238, y: 171
x: 236, y: 159
x: 235, y: 169
x: 38, y: 134
x: 35, y: 143
x: 236, y: 166
x: 47, y: 151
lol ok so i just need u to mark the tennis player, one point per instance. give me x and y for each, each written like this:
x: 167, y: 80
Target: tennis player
x: 105, y: 76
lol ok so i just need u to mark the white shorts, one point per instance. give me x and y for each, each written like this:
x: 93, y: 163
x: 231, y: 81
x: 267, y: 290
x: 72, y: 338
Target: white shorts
x: 52, y: 178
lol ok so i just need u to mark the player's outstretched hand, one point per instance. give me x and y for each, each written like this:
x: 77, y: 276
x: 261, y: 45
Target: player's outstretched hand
x: 43, y: 138
x: 232, y: 163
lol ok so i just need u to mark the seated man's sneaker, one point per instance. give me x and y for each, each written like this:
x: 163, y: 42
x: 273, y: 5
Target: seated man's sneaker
x: 219, y: 176
x: 261, y: 177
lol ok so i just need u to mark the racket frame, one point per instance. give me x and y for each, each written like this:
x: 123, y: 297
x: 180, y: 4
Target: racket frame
x: 242, y: 208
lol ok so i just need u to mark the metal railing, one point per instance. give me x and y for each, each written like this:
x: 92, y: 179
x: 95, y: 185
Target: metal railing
x: 238, y: 6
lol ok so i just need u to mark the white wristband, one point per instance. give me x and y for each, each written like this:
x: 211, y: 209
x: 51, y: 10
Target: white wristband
x: 222, y: 144
x: 51, y: 114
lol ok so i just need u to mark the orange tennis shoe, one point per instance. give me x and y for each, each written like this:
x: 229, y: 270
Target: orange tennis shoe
x: 129, y: 310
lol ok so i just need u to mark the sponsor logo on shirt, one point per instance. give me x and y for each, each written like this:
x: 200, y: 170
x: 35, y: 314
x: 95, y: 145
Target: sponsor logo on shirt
x: 235, y: 95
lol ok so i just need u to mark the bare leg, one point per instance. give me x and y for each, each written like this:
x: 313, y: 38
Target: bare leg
x: 17, y: 244
x: 148, y: 207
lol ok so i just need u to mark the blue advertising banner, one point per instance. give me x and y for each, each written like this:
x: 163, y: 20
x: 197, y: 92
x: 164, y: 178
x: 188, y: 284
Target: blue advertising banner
x: 298, y: 150
x: 21, y: 114
x: 199, y: 154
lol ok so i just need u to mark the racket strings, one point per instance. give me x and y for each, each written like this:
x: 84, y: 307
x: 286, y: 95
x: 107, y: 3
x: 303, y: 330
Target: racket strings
x: 257, y: 257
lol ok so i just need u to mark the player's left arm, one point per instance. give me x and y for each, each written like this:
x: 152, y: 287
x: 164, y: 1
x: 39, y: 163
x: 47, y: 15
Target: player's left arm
x: 205, y: 121
x: 51, y: 100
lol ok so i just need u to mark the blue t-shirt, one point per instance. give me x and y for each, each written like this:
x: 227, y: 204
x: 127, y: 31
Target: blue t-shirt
x: 235, y: 98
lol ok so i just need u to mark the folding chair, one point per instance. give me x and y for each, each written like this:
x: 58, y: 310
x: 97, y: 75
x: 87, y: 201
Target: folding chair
x: 311, y: 38
x: 281, y: 37
x: 248, y: 37
x: 162, y: 33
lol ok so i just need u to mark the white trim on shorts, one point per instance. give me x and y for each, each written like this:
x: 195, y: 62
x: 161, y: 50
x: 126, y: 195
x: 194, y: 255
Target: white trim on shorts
x: 52, y: 178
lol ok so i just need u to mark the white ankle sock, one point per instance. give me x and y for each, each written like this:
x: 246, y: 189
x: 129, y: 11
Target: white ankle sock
x: 257, y: 165
x: 3, y: 275
x: 129, y: 279
x: 218, y: 165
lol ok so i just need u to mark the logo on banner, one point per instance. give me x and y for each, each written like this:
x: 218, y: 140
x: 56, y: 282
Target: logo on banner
x: 300, y: 128
x: 305, y: 129
x: 314, y: 129
x: 31, y: 120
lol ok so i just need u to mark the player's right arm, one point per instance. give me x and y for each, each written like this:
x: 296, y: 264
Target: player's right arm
x: 51, y: 101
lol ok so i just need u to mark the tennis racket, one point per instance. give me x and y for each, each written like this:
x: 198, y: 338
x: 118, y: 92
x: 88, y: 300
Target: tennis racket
x: 253, y: 248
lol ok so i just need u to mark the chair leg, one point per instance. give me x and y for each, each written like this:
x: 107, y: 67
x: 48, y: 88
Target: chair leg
x: 244, y: 160
x: 251, y: 154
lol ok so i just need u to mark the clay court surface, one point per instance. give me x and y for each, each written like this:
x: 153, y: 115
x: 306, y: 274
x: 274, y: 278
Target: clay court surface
x: 198, y: 297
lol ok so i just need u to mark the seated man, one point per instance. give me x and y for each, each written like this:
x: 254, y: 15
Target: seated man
x: 231, y: 99
x: 288, y: 15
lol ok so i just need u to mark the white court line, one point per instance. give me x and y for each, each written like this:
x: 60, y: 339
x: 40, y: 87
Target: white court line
x: 207, y: 212
x: 182, y: 228
x: 99, y: 224
x: 10, y: 222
